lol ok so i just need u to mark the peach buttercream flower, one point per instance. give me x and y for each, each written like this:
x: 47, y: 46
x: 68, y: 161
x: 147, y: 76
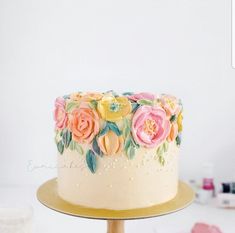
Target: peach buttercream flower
x: 110, y: 143
x: 84, y: 124
x: 150, y: 126
x: 60, y: 115
x: 170, y: 104
x: 76, y: 96
x: 114, y: 108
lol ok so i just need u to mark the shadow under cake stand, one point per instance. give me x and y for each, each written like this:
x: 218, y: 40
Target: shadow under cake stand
x: 48, y: 196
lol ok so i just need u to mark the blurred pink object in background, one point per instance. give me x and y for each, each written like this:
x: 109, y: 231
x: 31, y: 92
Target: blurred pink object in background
x: 205, y: 228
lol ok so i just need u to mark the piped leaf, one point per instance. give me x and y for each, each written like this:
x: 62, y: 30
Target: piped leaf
x: 96, y: 147
x: 93, y: 104
x: 72, y: 145
x: 145, y: 102
x: 161, y: 160
x: 128, y: 93
x: 104, y: 130
x: 160, y: 150
x: 178, y: 140
x: 66, y: 138
x: 91, y: 160
x: 70, y: 106
x: 79, y: 149
x: 165, y: 146
x: 131, y: 152
x: 60, y: 147
x: 134, y: 106
x: 75, y: 146
x: 127, y: 144
x: 112, y: 126
x: 173, y: 118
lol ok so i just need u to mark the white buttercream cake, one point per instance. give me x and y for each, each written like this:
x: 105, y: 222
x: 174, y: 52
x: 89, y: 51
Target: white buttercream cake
x: 117, y: 151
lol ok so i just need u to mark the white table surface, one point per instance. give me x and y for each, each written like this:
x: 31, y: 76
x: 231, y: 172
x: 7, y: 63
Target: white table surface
x: 48, y: 221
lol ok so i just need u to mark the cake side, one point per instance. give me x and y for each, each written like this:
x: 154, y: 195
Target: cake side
x: 119, y: 183
x: 117, y: 151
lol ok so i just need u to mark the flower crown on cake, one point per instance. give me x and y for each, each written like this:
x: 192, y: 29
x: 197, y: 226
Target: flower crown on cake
x: 108, y: 123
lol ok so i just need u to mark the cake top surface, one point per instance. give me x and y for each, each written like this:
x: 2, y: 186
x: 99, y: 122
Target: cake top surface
x: 108, y: 123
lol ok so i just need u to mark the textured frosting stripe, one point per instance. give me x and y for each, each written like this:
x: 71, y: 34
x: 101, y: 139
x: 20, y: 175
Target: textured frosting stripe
x: 108, y: 124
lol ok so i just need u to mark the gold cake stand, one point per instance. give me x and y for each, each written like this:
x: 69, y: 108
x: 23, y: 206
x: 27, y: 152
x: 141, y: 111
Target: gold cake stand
x: 47, y: 195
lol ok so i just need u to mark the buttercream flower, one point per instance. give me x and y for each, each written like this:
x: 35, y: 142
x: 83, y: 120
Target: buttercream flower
x: 173, y: 132
x: 60, y: 115
x: 170, y: 104
x: 142, y: 95
x: 114, y: 108
x: 76, y: 96
x: 179, y: 122
x: 92, y: 96
x: 150, y: 126
x: 110, y: 143
x: 84, y: 124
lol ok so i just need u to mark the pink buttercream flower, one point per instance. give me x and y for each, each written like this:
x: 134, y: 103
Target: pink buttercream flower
x: 60, y: 115
x: 142, y: 95
x: 150, y: 126
x: 84, y: 124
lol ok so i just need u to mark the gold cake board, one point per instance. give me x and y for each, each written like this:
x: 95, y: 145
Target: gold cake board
x: 48, y: 196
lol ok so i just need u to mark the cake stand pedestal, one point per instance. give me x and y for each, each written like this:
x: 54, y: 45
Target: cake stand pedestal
x: 48, y: 196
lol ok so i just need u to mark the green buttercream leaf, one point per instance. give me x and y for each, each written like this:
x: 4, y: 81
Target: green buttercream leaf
x: 126, y: 127
x: 145, y: 102
x: 161, y: 160
x: 104, y: 130
x: 91, y: 160
x: 96, y: 147
x: 112, y: 126
x: 165, y: 146
x: 127, y: 131
x: 131, y: 152
x: 93, y: 104
x: 112, y: 92
x: 134, y: 106
x: 178, y: 140
x: 160, y: 150
x: 72, y: 145
x: 66, y: 138
x: 134, y: 143
x: 70, y: 106
x: 127, y: 144
x: 128, y: 93
x: 173, y: 118
x: 57, y: 136
x: 79, y: 149
x: 60, y: 147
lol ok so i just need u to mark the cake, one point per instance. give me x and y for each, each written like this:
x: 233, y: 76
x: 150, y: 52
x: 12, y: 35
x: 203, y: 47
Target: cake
x: 117, y: 151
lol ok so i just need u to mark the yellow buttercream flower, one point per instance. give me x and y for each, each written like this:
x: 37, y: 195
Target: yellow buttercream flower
x: 179, y: 122
x: 114, y: 108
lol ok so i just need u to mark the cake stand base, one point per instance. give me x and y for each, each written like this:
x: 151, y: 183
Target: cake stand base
x: 48, y: 196
x: 115, y: 226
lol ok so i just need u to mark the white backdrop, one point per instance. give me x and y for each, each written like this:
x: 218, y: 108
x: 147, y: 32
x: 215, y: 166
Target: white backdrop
x: 49, y: 48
